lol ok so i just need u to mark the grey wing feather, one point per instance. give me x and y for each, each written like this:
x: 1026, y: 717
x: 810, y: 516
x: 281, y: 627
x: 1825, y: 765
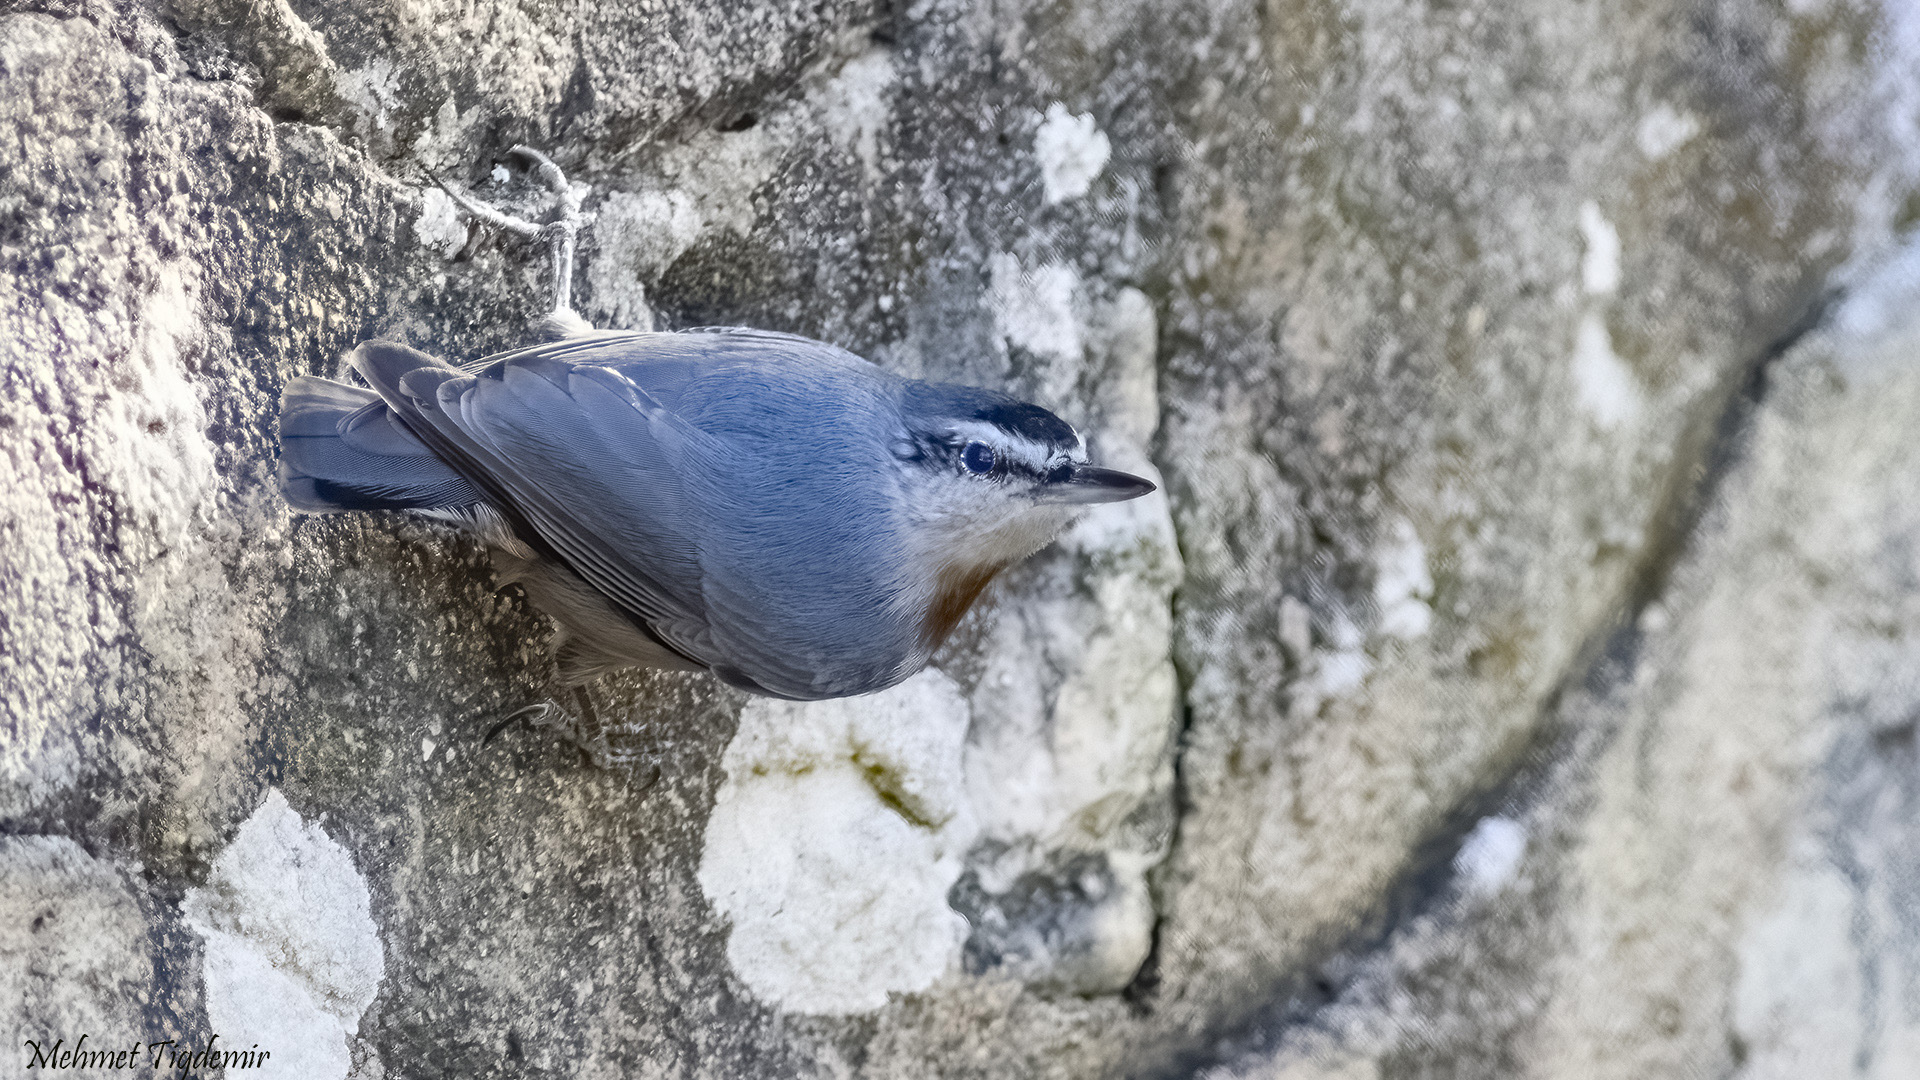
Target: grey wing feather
x: 579, y: 463
x: 575, y: 349
x: 343, y: 449
x: 593, y: 480
x: 662, y: 362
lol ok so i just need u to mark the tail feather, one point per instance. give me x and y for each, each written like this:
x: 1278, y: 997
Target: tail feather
x: 342, y: 449
x: 384, y: 364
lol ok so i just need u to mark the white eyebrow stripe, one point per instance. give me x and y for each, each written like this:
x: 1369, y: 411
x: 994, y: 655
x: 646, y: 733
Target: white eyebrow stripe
x: 1034, y: 455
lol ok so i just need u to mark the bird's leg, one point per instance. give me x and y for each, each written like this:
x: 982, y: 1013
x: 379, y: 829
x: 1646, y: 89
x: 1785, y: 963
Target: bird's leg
x: 562, y: 237
x: 612, y: 743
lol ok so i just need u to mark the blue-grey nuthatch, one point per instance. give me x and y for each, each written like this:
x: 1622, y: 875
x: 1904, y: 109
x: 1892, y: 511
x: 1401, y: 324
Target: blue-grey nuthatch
x: 769, y: 508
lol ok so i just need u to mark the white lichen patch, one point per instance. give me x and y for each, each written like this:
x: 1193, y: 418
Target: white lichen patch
x: 1038, y: 310
x: 147, y: 441
x: 1490, y: 856
x: 1337, y: 668
x: 705, y: 184
x: 1075, y: 703
x: 373, y: 89
x: 1403, y: 586
x: 292, y: 954
x: 1604, y: 386
x: 75, y: 945
x: 856, y: 105
x: 834, y: 841
x: 1600, y: 267
x: 1797, y: 1001
x: 1066, y: 748
x: 441, y: 225
x: 639, y: 234
x: 1663, y: 130
x: 1068, y: 768
x: 1128, y: 393
x: 1073, y: 152
x: 1296, y: 628
x: 1880, y: 301
x: 1065, y: 753
x: 1337, y: 673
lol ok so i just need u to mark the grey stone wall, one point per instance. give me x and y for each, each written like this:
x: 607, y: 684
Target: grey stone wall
x: 1516, y: 675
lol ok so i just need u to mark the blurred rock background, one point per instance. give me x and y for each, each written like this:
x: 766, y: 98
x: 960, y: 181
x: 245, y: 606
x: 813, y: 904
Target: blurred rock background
x: 1518, y: 677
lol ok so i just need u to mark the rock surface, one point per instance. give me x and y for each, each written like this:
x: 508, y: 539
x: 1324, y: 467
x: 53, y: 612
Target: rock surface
x: 1514, y: 677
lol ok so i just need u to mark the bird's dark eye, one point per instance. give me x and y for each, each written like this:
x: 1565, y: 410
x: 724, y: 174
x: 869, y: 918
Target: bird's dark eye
x: 977, y: 457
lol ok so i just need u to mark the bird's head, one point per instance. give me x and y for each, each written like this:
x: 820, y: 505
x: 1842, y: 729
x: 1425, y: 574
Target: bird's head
x: 988, y: 480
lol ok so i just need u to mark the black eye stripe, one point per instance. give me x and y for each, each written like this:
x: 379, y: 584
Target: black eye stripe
x: 978, y: 457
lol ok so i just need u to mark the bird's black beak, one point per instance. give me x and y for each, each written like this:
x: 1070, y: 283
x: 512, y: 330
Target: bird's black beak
x: 1091, y: 484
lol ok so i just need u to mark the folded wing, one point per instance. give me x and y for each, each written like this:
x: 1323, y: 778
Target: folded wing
x: 582, y: 461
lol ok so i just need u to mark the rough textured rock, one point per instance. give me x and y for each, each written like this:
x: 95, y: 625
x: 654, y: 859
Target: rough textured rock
x: 1514, y: 678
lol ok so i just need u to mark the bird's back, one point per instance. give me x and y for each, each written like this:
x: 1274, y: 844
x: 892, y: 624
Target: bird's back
x: 808, y: 570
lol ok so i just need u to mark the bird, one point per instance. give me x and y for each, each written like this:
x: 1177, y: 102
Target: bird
x: 774, y: 510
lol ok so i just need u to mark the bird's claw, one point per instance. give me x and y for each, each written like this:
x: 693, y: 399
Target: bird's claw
x: 537, y: 711
x: 616, y: 748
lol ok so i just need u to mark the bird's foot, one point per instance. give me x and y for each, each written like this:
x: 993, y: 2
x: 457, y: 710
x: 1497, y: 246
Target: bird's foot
x: 561, y: 236
x: 616, y: 746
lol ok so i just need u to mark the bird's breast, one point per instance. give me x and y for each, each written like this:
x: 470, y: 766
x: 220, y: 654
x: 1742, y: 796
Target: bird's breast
x: 955, y: 588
